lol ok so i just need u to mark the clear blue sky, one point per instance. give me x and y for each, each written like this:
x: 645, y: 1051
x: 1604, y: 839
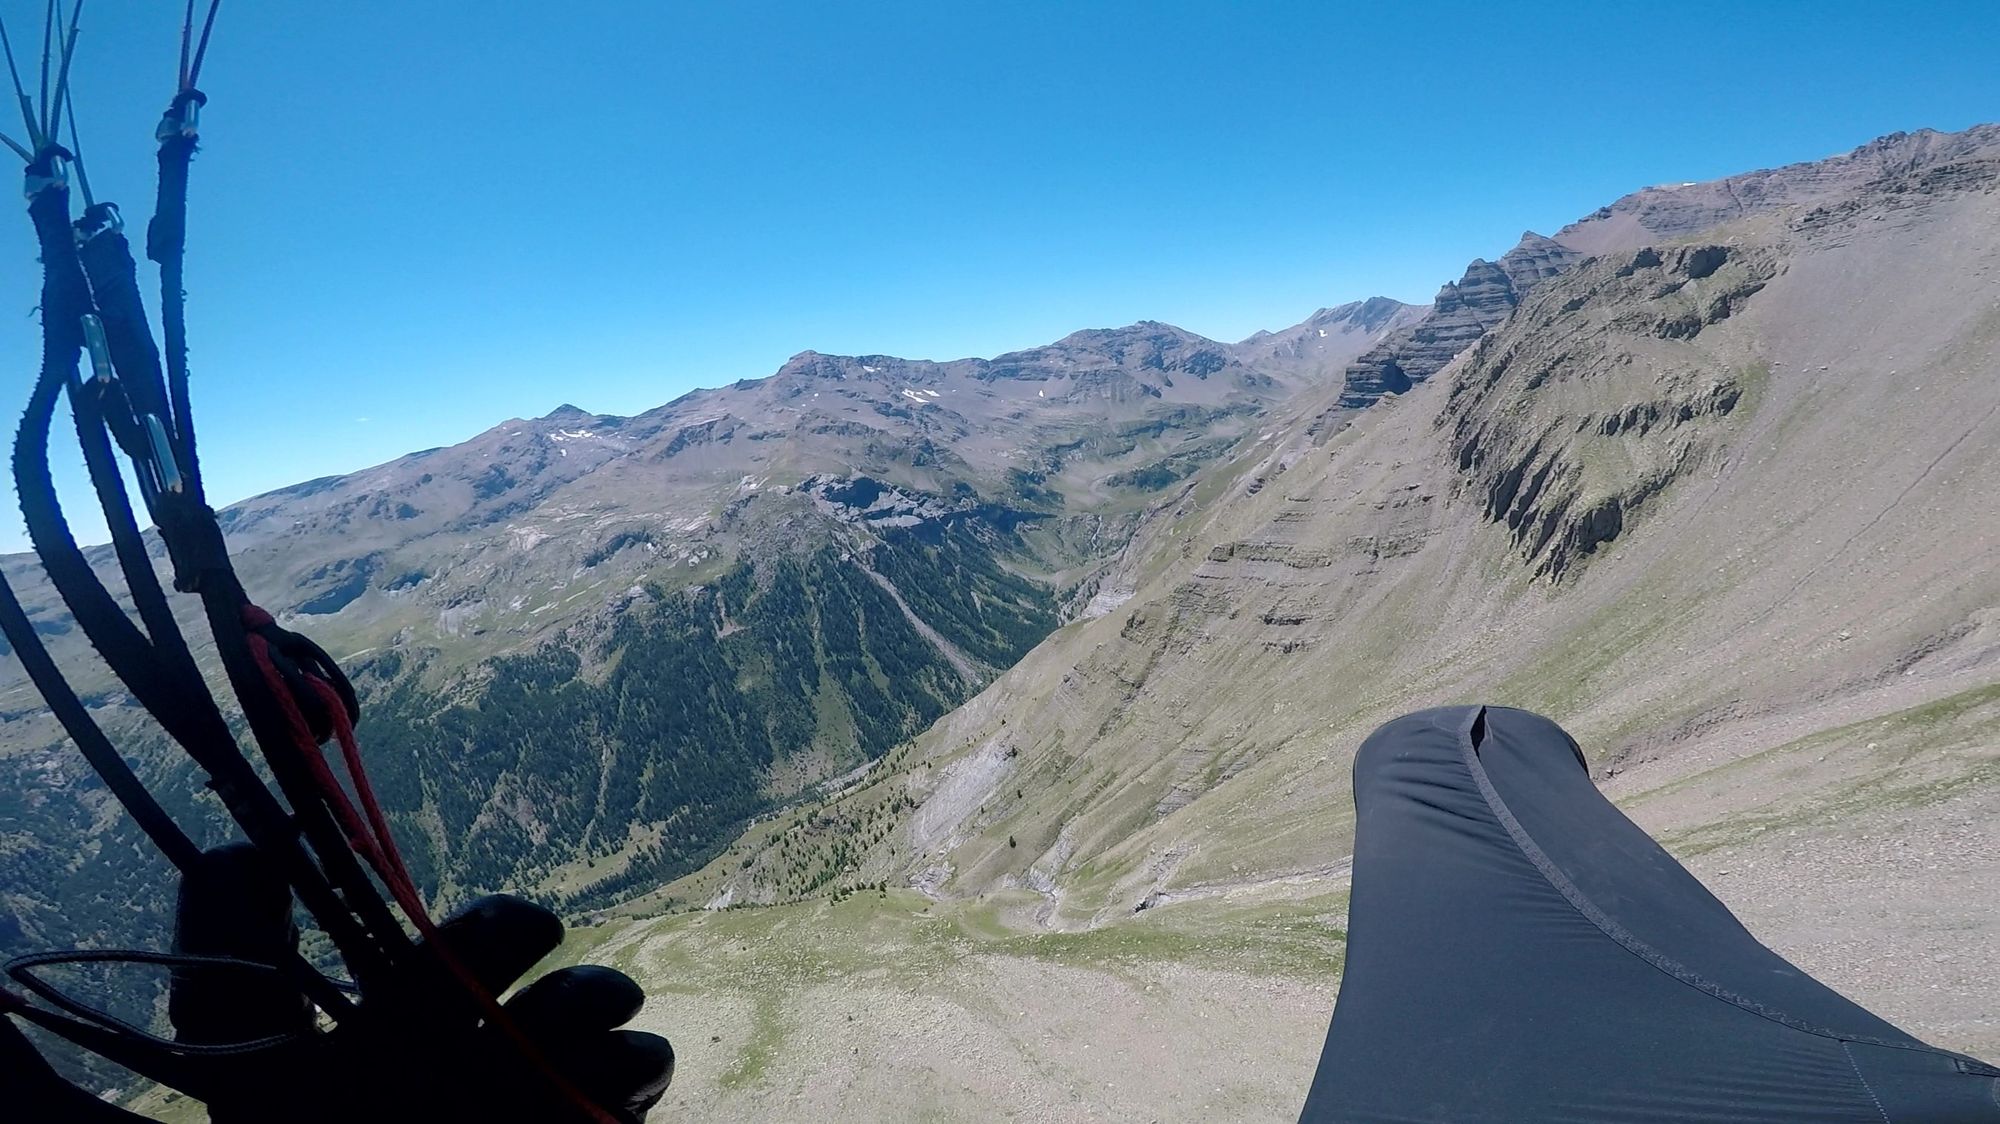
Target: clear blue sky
x: 415, y: 220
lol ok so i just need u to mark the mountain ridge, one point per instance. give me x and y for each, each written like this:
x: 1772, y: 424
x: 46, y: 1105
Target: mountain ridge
x: 1669, y: 210
x: 923, y: 522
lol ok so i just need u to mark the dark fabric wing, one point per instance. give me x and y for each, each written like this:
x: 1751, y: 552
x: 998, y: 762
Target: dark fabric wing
x: 1518, y: 950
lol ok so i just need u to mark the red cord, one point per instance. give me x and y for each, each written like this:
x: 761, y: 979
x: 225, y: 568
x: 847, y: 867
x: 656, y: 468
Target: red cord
x: 377, y: 846
x: 350, y: 751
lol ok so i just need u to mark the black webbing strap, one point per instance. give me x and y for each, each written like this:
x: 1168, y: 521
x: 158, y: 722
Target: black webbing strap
x: 166, y: 243
x: 114, y: 285
x: 179, y: 702
x: 201, y: 560
x: 139, y: 398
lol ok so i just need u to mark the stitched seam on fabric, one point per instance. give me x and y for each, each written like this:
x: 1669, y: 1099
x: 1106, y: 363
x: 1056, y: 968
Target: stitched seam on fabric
x: 1533, y: 852
x: 1863, y: 1078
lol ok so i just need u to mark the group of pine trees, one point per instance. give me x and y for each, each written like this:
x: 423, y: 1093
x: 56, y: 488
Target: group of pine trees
x: 688, y: 702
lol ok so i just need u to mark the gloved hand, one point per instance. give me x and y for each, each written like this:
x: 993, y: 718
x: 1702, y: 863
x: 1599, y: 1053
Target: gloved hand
x: 428, y: 1057
x: 416, y: 1054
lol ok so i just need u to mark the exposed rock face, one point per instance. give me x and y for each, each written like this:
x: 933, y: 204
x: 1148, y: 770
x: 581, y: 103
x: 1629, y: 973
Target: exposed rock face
x: 1464, y: 311
x: 864, y: 500
x: 1369, y: 315
x: 1534, y: 260
x: 1657, y: 214
x: 1572, y: 417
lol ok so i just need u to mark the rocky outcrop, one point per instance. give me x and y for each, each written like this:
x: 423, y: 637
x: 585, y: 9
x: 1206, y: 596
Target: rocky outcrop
x: 1463, y: 311
x: 870, y: 502
x: 1597, y: 398
x: 1534, y: 260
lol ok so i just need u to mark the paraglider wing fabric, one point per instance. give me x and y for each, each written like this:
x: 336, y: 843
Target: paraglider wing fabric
x: 1518, y: 950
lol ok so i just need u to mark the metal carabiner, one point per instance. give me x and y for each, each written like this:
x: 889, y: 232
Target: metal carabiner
x: 182, y: 118
x: 33, y: 183
x: 98, y: 346
x: 101, y: 218
x: 166, y: 469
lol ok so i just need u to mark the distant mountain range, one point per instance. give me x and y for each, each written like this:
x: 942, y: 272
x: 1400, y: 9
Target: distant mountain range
x: 842, y: 551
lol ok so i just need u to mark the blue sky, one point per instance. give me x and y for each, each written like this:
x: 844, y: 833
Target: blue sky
x: 415, y: 220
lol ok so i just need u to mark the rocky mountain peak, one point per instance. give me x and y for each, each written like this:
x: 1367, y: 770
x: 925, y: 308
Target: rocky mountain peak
x: 1905, y: 151
x: 1364, y: 315
x: 810, y: 365
x: 1370, y: 314
x: 1109, y: 341
x: 1463, y: 311
x: 1533, y: 260
x: 1148, y: 346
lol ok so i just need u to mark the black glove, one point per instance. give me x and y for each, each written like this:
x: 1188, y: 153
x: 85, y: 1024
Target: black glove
x: 417, y: 1051
x: 423, y: 1054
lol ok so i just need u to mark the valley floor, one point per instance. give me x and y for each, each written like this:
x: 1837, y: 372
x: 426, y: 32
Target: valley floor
x: 1865, y: 852
x: 893, y: 1007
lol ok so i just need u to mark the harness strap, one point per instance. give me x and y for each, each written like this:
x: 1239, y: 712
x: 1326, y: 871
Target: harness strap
x: 292, y: 693
x: 163, y: 679
x: 166, y: 244
x: 114, y: 284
